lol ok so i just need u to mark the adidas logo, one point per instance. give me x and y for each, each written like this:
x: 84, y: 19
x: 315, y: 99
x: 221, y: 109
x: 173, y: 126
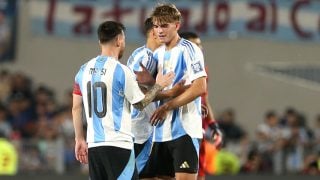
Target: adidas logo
x: 184, y: 165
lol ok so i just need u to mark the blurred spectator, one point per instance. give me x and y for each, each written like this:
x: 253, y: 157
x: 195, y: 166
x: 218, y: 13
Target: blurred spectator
x: 5, y: 127
x: 4, y: 85
x: 20, y: 83
x: 31, y: 160
x: 254, y: 163
x: 20, y: 106
x: 64, y: 117
x: 269, y: 133
x: 227, y: 123
x: 22, y: 115
x: 311, y: 165
x: 65, y: 127
x: 297, y: 145
x: 236, y: 139
x: 317, y: 133
x: 303, y: 123
x: 270, y: 139
x: 45, y: 112
x: 289, y: 115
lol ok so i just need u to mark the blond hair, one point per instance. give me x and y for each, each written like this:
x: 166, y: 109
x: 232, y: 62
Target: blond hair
x: 166, y: 13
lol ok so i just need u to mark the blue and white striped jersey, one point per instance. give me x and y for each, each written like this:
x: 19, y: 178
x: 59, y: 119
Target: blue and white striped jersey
x: 186, y: 60
x: 141, y: 127
x: 108, y: 89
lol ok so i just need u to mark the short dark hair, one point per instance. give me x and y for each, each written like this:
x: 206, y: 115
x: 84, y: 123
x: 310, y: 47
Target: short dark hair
x: 108, y: 30
x: 148, y: 25
x: 188, y: 35
x: 270, y: 114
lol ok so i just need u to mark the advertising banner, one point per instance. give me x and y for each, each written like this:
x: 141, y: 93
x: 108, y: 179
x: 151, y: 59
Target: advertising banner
x: 284, y: 20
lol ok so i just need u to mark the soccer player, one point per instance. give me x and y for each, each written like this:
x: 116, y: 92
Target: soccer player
x: 141, y: 127
x: 106, y: 89
x: 209, y: 124
x: 177, y: 120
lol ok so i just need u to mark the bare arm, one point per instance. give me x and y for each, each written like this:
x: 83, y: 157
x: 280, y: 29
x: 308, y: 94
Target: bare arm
x: 210, y: 115
x: 77, y: 117
x: 197, y: 88
x: 175, y: 91
x: 149, y: 97
x: 161, y: 82
x: 81, y: 148
x: 213, y: 132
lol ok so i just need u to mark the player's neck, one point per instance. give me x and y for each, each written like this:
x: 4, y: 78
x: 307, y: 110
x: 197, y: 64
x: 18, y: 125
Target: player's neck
x: 110, y: 51
x: 173, y: 42
x: 151, y: 45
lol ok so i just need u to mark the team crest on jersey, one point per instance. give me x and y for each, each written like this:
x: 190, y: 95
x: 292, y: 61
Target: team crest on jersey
x: 196, y: 67
x: 121, y: 93
x: 168, y: 66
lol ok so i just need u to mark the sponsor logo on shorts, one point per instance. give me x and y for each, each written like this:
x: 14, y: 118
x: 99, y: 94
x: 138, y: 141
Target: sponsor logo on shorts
x: 184, y: 165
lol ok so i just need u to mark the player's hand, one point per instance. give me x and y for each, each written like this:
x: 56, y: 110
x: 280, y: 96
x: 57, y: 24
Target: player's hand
x: 144, y: 77
x: 179, y: 88
x: 214, y: 135
x: 81, y: 151
x: 204, y: 111
x: 159, y: 115
x: 164, y: 80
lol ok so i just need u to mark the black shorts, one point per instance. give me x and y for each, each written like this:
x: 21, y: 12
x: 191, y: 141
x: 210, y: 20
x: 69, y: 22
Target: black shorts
x: 142, y: 153
x: 109, y: 162
x: 177, y: 156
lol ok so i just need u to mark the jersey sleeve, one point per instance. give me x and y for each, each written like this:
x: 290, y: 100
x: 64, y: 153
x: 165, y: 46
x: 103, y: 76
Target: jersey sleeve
x: 151, y: 63
x: 130, y: 61
x: 76, y: 85
x: 132, y: 91
x: 76, y: 89
x: 145, y: 57
x: 195, y: 63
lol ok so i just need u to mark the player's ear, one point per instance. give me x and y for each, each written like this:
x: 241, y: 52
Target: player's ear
x: 118, y: 41
x: 153, y: 34
x: 178, y: 24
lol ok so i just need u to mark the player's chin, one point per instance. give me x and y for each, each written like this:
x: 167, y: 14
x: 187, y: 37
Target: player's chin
x: 162, y: 40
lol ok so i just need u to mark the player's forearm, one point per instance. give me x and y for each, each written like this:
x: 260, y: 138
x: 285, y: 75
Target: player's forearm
x: 77, y: 122
x: 149, y: 97
x: 210, y: 111
x: 197, y: 88
x: 164, y: 95
x: 171, y: 93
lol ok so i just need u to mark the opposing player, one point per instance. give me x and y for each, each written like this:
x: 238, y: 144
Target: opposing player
x: 178, y: 120
x: 106, y: 88
x: 209, y: 125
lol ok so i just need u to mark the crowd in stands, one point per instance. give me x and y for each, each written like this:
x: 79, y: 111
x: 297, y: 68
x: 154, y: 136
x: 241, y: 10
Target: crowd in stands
x: 42, y: 131
x: 32, y: 119
x: 281, y: 143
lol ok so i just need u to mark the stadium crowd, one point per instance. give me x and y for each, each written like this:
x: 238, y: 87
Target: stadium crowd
x: 42, y: 131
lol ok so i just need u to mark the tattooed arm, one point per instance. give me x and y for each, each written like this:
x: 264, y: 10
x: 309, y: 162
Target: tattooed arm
x: 162, y: 81
x: 149, y: 97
